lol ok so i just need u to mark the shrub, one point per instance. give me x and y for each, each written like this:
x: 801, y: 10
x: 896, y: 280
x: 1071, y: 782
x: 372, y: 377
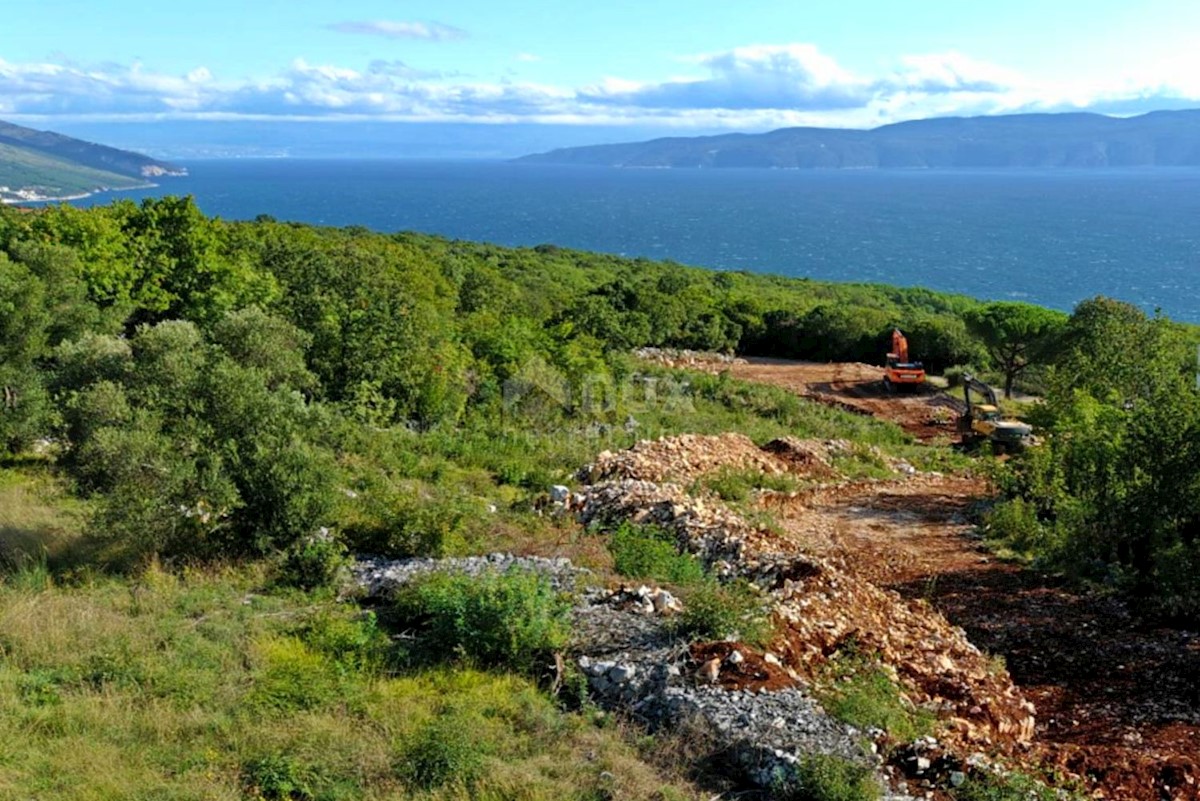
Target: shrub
x: 1014, y: 523
x: 354, y: 643
x: 649, y: 552
x: 715, y: 611
x: 1010, y: 787
x: 511, y: 620
x: 442, y: 752
x: 862, y: 693
x: 318, y: 560
x: 737, y: 485
x: 276, y: 777
x: 413, y: 526
x: 954, y: 375
x: 1178, y: 572
x: 821, y: 777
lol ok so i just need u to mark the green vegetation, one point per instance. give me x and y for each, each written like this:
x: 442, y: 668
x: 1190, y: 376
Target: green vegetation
x: 200, y: 686
x: 1114, y: 493
x: 1016, y: 335
x: 22, y: 168
x: 731, y: 611
x: 738, y: 485
x: 651, y: 553
x: 514, y: 620
x: 200, y: 420
x: 822, y: 777
x: 856, y: 688
x: 234, y: 390
x: 1012, y: 786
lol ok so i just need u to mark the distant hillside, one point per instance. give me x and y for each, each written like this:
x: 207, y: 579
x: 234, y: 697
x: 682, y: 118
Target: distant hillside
x: 41, y: 165
x: 1157, y: 139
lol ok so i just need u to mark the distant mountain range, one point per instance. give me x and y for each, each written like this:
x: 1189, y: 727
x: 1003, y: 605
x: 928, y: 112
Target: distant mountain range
x: 1157, y: 139
x: 40, y: 165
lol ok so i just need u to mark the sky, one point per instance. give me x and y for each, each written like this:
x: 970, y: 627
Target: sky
x: 701, y: 65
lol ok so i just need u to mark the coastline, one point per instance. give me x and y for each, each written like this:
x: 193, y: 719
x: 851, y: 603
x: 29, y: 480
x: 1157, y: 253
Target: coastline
x: 36, y: 198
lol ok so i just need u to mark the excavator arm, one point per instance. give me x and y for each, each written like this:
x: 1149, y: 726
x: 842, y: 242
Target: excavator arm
x: 970, y: 383
x: 899, y: 346
x: 898, y: 370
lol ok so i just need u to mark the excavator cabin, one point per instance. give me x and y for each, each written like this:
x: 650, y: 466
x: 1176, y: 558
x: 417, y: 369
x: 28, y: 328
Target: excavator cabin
x: 899, y: 372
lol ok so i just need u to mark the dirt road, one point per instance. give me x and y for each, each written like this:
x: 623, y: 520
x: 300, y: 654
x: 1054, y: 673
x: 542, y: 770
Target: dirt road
x: 1117, y: 697
x: 928, y: 415
x: 1118, y: 701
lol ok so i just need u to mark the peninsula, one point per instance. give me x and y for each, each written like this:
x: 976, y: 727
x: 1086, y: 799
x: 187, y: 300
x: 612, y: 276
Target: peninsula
x: 42, y: 165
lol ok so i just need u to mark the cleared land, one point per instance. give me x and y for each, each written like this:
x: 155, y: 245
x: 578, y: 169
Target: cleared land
x: 1117, y: 698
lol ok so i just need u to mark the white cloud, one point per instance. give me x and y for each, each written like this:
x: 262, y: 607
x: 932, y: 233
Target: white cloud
x: 431, y: 31
x: 785, y: 77
x: 528, y: 57
x: 752, y: 88
x: 951, y: 72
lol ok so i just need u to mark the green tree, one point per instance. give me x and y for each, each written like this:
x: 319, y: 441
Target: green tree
x: 1015, y: 335
x: 24, y: 320
x: 1110, y: 348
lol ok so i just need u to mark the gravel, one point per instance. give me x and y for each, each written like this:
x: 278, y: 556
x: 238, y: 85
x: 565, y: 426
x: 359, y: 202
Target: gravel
x: 380, y: 577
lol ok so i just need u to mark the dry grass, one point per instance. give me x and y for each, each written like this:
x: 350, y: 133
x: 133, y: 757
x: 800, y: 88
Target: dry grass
x: 39, y: 520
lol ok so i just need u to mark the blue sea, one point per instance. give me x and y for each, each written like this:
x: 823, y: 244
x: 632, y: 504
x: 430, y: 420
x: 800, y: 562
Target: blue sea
x: 1048, y: 237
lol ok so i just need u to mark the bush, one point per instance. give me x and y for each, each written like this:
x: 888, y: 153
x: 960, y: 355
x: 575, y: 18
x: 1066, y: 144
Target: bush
x: 514, y: 619
x: 318, y: 560
x: 821, y: 777
x: 1010, y: 787
x: 954, y: 375
x: 735, y: 611
x: 1178, y: 592
x: 1014, y: 523
x: 276, y: 777
x: 355, y: 643
x: 412, y: 526
x: 650, y: 553
x: 859, y: 691
x: 442, y: 752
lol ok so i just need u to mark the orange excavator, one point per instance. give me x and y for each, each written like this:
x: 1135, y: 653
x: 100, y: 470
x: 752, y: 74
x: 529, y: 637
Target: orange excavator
x: 900, y: 373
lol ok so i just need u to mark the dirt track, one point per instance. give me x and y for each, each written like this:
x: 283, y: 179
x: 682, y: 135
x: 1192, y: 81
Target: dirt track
x: 856, y: 387
x: 1118, y: 699
x: 1117, y: 702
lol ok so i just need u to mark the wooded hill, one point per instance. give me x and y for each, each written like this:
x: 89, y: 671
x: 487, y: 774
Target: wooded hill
x: 1157, y: 139
x: 43, y: 164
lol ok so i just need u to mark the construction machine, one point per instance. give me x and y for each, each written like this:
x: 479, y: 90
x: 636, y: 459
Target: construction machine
x: 983, y: 421
x: 899, y: 372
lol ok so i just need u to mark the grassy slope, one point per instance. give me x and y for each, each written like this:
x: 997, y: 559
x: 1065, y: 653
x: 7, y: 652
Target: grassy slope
x: 210, y: 684
x: 202, y: 687
x: 21, y: 168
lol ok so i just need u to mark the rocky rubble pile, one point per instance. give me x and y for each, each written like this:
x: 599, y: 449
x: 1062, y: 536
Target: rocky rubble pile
x: 687, y: 457
x: 624, y: 645
x: 703, y: 526
x: 823, y: 606
x: 634, y: 664
x: 681, y: 458
x: 687, y: 359
x: 379, y: 577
